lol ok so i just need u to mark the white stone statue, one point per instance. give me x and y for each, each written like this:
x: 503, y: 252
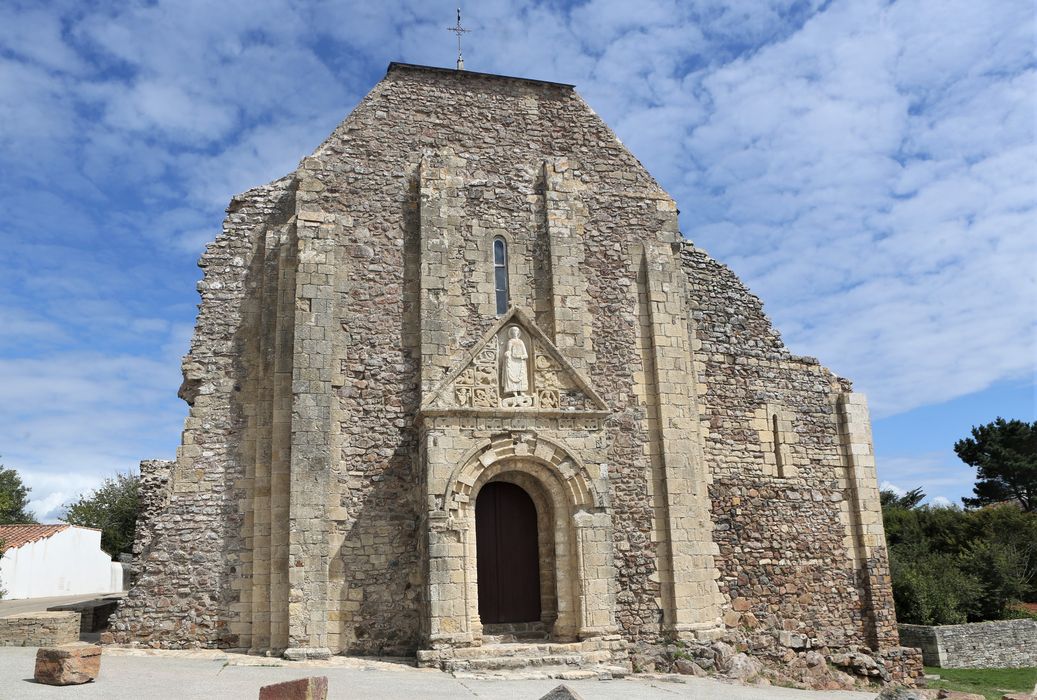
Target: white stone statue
x: 516, y: 365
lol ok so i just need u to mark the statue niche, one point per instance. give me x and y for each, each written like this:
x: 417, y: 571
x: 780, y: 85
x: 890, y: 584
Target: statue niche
x: 514, y: 370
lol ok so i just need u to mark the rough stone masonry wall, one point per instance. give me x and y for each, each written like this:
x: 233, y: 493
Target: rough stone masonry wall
x: 780, y: 488
x: 39, y: 629
x: 999, y: 644
x: 188, y: 592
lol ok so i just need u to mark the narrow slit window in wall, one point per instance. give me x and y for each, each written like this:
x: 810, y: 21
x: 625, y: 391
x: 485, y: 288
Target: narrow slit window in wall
x: 500, y: 274
x: 777, y: 446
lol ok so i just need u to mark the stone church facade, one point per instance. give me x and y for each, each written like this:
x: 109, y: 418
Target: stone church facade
x: 459, y: 375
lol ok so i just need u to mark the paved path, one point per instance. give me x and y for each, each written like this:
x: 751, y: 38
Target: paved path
x: 217, y: 676
x: 27, y: 605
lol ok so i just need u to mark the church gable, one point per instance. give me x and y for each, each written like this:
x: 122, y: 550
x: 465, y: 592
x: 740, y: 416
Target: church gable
x: 515, y: 366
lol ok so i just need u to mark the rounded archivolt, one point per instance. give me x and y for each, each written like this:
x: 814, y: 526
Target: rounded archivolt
x: 516, y: 448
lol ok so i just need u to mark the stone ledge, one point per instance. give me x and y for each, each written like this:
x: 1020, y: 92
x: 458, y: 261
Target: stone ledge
x: 307, y: 653
x: 39, y: 629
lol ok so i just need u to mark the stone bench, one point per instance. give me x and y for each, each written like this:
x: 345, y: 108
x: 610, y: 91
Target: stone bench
x: 94, y: 614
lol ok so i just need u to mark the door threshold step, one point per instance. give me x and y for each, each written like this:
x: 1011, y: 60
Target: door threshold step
x: 564, y: 673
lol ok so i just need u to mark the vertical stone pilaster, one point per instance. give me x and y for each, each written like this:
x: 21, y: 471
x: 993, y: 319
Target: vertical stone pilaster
x: 566, y: 215
x: 596, y: 572
x: 690, y: 595
x: 312, y: 396
x: 442, y: 208
x: 261, y: 522
x: 452, y: 594
x: 868, y: 537
x: 281, y: 439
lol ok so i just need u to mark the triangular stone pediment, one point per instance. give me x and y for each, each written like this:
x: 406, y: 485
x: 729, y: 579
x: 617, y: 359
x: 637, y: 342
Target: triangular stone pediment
x: 514, y: 367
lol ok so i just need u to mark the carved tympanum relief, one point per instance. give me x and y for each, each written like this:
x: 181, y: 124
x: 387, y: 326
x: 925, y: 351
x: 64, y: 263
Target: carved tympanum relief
x: 514, y: 367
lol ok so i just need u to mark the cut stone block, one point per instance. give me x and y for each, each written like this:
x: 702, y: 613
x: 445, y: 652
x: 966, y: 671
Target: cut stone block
x: 312, y: 688
x: 70, y: 664
x: 562, y: 692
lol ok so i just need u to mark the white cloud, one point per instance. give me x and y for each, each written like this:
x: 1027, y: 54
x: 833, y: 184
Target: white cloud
x: 36, y: 34
x: 156, y: 106
x: 867, y: 167
x: 51, y: 492
x: 883, y: 213
x: 890, y: 486
x: 936, y: 473
x: 21, y: 328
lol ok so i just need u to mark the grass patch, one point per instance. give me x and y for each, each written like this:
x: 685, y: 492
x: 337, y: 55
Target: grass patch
x: 991, y: 683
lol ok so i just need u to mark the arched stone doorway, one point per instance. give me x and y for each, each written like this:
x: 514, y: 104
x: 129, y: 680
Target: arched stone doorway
x: 507, y: 555
x: 573, y: 537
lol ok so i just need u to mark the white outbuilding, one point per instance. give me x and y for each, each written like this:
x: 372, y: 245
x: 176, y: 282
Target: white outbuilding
x: 55, y: 560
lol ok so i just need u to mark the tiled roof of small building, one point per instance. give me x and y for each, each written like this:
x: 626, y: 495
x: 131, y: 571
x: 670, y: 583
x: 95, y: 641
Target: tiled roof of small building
x: 13, y: 536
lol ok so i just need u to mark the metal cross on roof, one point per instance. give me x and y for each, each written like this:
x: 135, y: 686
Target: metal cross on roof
x: 459, y: 30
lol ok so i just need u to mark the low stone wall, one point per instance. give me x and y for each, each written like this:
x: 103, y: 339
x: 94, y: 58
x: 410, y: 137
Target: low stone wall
x: 999, y: 644
x: 39, y: 629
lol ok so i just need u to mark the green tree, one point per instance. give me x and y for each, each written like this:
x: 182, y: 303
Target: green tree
x: 1004, y: 572
x: 1004, y: 454
x: 931, y: 588
x: 14, y: 499
x: 112, y: 509
x: 951, y: 565
x: 889, y: 498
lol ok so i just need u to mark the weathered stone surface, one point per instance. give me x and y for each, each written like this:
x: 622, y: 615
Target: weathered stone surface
x: 897, y: 692
x: 307, y: 653
x: 71, y: 664
x: 687, y: 667
x: 732, y: 618
x: 1019, y: 696
x: 562, y: 692
x: 353, y: 385
x: 944, y: 694
x: 312, y: 688
x: 722, y: 655
x: 743, y: 668
x: 792, y: 640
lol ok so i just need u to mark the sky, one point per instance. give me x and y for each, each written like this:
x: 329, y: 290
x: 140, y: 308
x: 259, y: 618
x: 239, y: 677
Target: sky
x: 868, y: 168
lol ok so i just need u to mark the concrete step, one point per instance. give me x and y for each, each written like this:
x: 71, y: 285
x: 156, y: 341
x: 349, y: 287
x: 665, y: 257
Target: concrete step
x: 562, y: 673
x: 494, y: 663
x: 566, y: 673
x: 593, y: 658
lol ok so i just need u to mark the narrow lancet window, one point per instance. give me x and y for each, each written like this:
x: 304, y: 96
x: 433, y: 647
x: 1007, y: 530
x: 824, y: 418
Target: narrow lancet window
x: 777, y: 446
x: 500, y: 274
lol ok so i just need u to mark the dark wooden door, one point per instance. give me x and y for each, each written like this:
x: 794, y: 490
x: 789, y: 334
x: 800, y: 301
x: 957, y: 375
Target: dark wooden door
x: 508, y: 556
